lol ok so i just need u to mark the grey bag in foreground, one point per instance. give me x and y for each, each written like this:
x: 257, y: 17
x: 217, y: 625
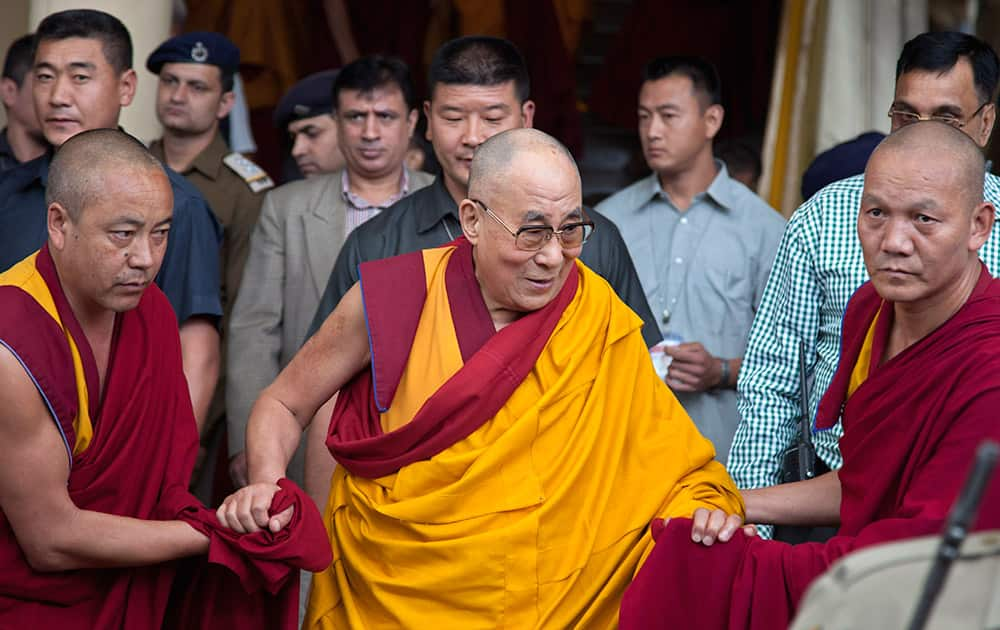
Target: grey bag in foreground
x: 878, y: 588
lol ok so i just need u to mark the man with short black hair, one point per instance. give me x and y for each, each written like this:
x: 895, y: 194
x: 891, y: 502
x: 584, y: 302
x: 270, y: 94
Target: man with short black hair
x: 21, y: 140
x: 302, y: 226
x: 83, y: 76
x: 946, y: 76
x: 701, y: 241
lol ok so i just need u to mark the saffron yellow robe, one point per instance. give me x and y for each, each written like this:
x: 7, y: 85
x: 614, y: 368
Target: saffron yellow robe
x: 539, y: 517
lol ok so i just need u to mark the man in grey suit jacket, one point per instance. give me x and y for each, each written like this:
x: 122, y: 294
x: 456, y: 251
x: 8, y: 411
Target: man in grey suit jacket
x: 301, y: 228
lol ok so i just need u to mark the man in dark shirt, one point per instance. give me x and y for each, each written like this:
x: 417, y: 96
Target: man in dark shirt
x: 21, y: 140
x: 479, y: 87
x: 82, y: 78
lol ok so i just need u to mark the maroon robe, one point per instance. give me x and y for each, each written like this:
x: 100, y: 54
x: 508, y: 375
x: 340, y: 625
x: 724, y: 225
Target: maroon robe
x: 910, y: 435
x: 137, y: 464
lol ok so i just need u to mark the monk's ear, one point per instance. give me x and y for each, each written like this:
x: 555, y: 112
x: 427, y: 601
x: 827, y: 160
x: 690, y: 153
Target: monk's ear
x: 472, y: 225
x: 59, y: 223
x: 982, y: 225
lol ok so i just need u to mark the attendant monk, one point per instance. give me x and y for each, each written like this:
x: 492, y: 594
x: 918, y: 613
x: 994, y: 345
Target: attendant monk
x: 97, y: 431
x: 917, y: 389
x: 501, y: 436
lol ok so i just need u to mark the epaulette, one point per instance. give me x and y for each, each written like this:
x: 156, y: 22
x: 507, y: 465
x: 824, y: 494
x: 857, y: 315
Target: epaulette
x: 253, y: 175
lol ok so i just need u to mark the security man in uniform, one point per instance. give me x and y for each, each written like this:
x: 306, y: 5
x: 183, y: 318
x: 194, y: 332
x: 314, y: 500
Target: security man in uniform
x: 194, y: 93
x: 306, y: 113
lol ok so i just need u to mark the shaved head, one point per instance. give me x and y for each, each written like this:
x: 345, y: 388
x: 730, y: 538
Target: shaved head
x: 496, y: 159
x: 958, y: 160
x: 82, y: 164
x: 923, y: 219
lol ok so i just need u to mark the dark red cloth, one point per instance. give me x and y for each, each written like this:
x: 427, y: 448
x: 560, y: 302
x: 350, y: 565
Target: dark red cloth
x: 267, y: 564
x: 138, y: 464
x: 910, y: 434
x: 471, y: 397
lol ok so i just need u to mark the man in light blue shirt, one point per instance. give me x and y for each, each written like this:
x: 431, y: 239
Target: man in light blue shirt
x: 701, y: 242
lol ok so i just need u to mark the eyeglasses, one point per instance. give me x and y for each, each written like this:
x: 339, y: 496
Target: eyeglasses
x: 532, y: 238
x: 902, y: 118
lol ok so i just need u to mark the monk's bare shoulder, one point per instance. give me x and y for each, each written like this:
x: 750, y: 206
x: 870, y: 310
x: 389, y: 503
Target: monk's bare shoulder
x: 34, y: 466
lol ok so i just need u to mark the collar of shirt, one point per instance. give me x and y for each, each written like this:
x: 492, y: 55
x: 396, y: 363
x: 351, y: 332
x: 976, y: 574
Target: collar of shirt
x: 720, y: 190
x: 441, y: 204
x: 354, y: 202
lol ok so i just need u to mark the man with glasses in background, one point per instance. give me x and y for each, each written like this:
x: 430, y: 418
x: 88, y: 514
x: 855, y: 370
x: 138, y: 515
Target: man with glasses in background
x: 945, y: 76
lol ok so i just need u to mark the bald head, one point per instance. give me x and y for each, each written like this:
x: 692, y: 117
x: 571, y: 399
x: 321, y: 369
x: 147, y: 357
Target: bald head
x: 958, y: 161
x: 923, y: 219
x: 497, y: 159
x: 82, y: 164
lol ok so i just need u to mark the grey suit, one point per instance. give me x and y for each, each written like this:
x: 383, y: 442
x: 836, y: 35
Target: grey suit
x: 292, y: 252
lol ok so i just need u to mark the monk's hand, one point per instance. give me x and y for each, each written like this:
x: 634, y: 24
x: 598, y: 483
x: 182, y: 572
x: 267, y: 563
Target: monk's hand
x: 246, y: 510
x: 692, y: 369
x: 715, y: 525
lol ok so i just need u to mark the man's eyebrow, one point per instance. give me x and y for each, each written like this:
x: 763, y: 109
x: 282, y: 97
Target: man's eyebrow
x: 82, y: 65
x: 130, y: 221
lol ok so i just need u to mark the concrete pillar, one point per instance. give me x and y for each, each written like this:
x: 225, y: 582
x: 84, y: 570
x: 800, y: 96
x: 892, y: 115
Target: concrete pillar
x: 148, y: 21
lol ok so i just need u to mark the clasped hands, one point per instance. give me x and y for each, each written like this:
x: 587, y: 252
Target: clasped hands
x: 246, y: 510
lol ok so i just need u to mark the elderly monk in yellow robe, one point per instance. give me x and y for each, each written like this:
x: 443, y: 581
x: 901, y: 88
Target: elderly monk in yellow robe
x: 502, y: 439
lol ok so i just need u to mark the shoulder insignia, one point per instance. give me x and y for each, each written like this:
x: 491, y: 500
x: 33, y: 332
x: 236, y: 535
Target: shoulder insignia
x: 253, y: 175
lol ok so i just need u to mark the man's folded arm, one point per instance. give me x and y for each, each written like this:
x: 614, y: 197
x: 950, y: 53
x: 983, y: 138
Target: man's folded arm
x: 768, y: 380
x: 53, y: 533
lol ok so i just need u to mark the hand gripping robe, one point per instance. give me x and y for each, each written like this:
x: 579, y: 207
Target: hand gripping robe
x: 131, y: 449
x: 911, y: 428
x: 500, y: 479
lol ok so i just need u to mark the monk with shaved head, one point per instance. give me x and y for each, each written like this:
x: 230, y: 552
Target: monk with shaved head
x: 917, y: 389
x: 502, y: 438
x: 97, y: 430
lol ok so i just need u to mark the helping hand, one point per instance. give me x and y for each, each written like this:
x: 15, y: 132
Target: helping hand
x: 245, y: 511
x: 716, y: 525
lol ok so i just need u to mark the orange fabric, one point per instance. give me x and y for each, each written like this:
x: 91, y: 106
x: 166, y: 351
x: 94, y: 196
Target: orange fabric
x: 435, y: 356
x: 25, y: 276
x: 862, y: 368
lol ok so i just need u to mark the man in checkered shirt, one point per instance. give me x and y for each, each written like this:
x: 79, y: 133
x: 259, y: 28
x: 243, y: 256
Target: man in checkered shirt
x: 946, y: 76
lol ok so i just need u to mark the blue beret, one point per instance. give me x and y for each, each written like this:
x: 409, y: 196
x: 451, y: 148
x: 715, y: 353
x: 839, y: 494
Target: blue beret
x: 213, y: 49
x: 309, y: 97
x: 842, y: 161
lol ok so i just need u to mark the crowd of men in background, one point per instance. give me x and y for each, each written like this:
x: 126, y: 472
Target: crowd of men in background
x: 726, y: 291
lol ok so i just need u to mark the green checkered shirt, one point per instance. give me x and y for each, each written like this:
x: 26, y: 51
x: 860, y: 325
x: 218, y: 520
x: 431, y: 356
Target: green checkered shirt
x: 818, y: 268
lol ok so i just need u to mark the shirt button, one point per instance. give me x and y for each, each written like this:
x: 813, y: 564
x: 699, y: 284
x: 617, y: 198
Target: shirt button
x: 684, y: 221
x: 678, y: 260
x: 666, y: 315
x: 673, y: 300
